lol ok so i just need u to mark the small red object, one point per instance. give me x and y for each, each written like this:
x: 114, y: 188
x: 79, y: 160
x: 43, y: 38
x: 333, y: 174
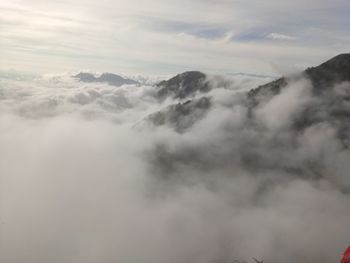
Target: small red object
x: 346, y: 257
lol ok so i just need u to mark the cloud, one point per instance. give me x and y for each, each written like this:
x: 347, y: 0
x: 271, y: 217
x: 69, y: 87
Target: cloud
x: 277, y: 36
x: 83, y: 181
x: 292, y: 101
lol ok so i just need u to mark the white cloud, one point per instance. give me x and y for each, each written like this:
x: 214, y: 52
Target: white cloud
x: 277, y: 36
x: 292, y: 100
x: 82, y: 182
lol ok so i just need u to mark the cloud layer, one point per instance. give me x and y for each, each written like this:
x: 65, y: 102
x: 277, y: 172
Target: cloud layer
x: 85, y: 178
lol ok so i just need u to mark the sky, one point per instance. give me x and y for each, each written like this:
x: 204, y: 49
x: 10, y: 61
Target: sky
x: 166, y: 36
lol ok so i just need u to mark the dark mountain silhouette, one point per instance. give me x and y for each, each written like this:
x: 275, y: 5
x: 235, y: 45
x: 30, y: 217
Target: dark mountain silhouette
x: 109, y: 78
x: 183, y: 85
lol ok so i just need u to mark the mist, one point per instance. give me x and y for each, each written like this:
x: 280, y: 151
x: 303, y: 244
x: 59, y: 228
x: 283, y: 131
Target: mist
x: 86, y: 178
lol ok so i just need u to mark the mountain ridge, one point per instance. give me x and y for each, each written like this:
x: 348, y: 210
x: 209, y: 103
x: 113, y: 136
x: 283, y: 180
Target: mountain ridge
x: 330, y: 106
x: 334, y: 70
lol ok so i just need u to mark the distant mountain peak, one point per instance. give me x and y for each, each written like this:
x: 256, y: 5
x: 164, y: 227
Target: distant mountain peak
x: 109, y: 78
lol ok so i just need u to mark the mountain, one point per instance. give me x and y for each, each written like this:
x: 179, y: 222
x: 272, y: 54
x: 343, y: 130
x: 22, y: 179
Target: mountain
x: 326, y: 75
x: 109, y: 78
x: 183, y: 85
x: 329, y: 73
x: 331, y: 102
x: 330, y: 88
x: 310, y: 141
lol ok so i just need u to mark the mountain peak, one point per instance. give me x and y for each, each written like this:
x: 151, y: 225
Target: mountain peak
x: 184, y: 78
x: 183, y: 85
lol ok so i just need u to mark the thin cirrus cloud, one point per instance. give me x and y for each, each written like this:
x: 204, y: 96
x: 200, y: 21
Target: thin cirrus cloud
x: 278, y: 36
x: 169, y: 36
